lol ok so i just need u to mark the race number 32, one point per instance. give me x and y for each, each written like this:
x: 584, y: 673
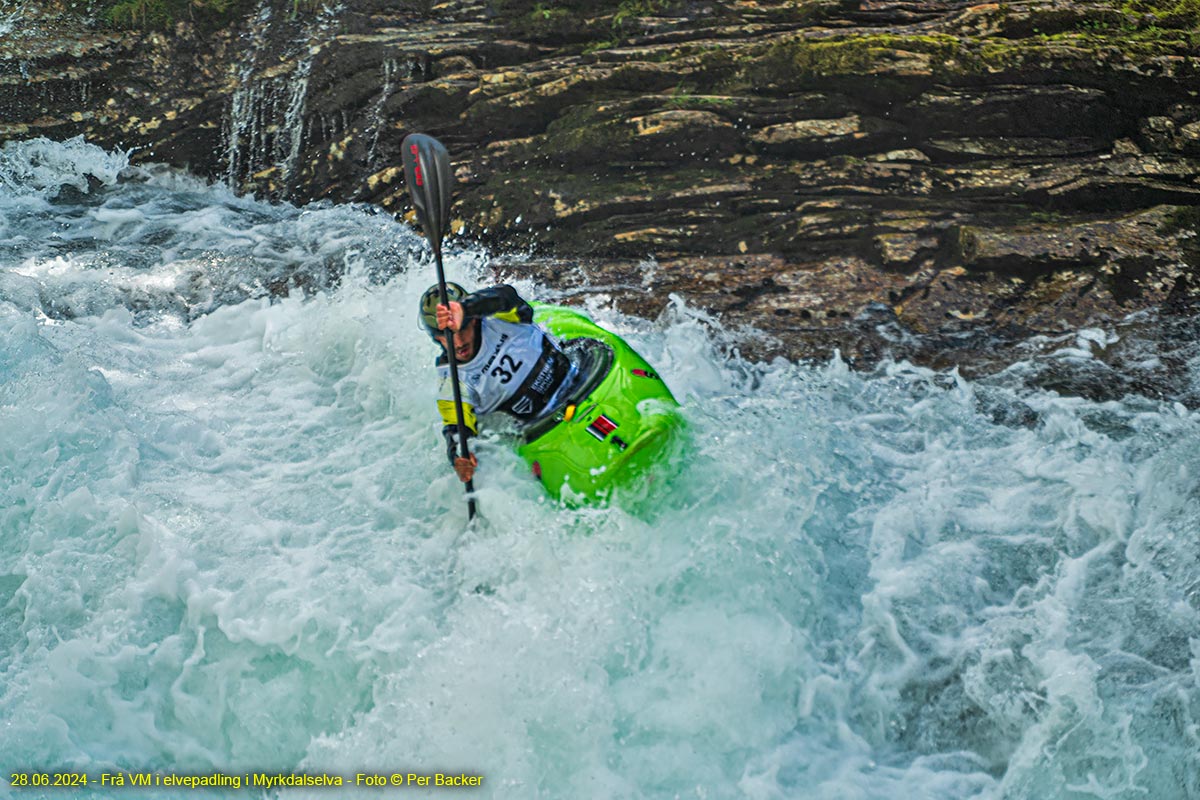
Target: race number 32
x: 506, y: 375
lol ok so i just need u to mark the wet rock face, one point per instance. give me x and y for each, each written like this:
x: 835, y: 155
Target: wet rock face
x: 855, y: 175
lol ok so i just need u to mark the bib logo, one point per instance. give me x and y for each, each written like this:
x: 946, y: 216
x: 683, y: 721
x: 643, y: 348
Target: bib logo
x: 542, y: 382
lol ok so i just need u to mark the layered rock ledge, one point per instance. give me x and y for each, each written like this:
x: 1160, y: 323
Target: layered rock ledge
x: 934, y: 180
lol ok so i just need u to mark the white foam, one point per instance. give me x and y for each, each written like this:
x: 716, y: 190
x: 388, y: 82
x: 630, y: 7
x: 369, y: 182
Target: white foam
x: 40, y: 166
x: 231, y: 542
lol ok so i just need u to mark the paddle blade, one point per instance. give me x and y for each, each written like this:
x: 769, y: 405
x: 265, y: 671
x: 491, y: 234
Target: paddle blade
x: 430, y: 183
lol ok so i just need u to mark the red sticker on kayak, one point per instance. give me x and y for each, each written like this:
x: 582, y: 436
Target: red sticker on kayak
x: 645, y: 373
x: 602, y: 427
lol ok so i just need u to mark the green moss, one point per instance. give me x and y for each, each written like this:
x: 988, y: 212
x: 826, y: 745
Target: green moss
x: 685, y: 97
x: 163, y: 14
x: 701, y: 102
x: 800, y: 61
x: 1094, y: 45
x: 1181, y: 220
x: 513, y: 9
x: 606, y: 23
x: 583, y: 134
x: 603, y: 44
x: 629, y: 10
x: 1134, y: 26
x: 1051, y: 217
x: 554, y: 23
x: 1174, y: 13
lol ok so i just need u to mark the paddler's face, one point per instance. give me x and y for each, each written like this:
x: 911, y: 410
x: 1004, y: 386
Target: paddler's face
x: 464, y: 343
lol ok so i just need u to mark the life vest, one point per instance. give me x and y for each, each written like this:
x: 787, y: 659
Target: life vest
x: 517, y: 369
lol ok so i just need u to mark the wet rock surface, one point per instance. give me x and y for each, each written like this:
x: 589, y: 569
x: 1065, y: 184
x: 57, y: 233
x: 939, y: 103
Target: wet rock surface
x: 938, y: 181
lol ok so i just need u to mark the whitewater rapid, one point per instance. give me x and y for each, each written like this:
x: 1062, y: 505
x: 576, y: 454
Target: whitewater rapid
x: 230, y: 543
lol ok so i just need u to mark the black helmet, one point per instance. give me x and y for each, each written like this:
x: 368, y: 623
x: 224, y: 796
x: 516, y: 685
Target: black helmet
x: 427, y: 316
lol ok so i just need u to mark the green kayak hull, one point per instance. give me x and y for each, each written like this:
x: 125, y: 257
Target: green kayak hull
x: 617, y: 434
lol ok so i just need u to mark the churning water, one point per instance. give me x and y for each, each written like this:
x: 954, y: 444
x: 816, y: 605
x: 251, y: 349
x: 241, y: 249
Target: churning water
x: 230, y: 543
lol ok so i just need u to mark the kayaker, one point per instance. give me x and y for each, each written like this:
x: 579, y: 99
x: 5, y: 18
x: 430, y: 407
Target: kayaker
x: 505, y: 362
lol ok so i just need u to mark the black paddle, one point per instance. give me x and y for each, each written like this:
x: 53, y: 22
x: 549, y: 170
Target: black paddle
x: 430, y: 181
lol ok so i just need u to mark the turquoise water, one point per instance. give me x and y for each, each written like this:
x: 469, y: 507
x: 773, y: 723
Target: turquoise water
x: 231, y: 544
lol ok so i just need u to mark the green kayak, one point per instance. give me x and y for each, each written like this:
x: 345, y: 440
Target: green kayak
x: 617, y: 429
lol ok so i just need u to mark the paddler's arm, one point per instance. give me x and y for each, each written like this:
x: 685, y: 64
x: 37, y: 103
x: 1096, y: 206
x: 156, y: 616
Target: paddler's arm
x: 501, y: 302
x: 465, y: 467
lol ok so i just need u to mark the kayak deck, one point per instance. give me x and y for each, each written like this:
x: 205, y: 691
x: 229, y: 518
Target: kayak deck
x: 616, y: 429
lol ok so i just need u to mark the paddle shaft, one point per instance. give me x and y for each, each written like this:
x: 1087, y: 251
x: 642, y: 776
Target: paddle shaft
x: 430, y: 183
x: 452, y: 359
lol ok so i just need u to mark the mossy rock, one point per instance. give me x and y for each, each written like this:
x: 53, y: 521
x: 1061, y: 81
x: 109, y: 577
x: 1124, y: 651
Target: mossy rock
x: 801, y: 62
x: 588, y: 135
x: 1184, y: 14
x: 532, y: 109
x: 887, y: 63
x: 1019, y: 22
x: 550, y: 24
x: 584, y: 135
x: 583, y: 212
x: 572, y: 21
x: 163, y: 14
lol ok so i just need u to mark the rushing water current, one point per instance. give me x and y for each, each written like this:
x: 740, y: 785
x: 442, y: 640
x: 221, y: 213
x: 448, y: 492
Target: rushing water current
x: 230, y: 543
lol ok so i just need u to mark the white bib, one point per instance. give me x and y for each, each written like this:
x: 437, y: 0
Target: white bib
x: 507, y: 353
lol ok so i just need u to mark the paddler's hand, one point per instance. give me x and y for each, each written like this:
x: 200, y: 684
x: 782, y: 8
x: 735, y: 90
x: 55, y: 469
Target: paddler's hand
x: 451, y: 317
x: 465, y: 467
